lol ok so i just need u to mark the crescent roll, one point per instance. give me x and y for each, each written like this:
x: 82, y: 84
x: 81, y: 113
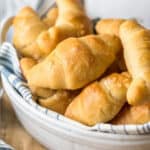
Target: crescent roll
x: 136, y: 43
x: 56, y: 100
x: 133, y: 115
x: 71, y: 22
x: 27, y: 26
x: 75, y: 62
x: 109, y: 26
x: 100, y: 101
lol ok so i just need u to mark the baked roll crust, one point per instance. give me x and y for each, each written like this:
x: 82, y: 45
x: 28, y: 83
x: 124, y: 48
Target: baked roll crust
x: 136, y: 43
x: 100, y: 101
x: 109, y: 26
x: 133, y: 115
x: 71, y: 22
x: 75, y: 62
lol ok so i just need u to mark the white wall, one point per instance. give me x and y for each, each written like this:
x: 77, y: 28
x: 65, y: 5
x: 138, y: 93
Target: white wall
x: 103, y: 8
x: 120, y: 8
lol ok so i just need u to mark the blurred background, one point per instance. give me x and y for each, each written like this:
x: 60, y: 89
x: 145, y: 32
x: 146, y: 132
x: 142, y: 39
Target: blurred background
x: 138, y: 9
x: 11, y: 7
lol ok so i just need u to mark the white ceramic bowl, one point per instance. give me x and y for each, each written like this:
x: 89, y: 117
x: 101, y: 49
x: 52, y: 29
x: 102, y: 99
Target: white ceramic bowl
x: 50, y: 134
x: 48, y: 131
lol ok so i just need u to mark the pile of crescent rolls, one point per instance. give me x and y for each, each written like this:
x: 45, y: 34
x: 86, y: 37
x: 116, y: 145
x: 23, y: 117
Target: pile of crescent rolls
x: 88, y: 77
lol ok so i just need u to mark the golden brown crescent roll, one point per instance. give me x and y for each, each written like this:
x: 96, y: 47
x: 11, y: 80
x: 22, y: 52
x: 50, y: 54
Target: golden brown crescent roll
x: 109, y: 26
x: 58, y: 101
x: 27, y: 26
x: 71, y: 22
x: 136, y: 43
x: 75, y: 62
x: 51, y: 17
x: 100, y: 101
x: 133, y: 115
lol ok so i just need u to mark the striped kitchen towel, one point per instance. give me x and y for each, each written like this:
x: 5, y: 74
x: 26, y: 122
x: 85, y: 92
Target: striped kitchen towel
x: 9, y: 67
x: 4, y: 146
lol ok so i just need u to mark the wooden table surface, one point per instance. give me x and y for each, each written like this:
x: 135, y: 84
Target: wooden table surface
x: 12, y: 132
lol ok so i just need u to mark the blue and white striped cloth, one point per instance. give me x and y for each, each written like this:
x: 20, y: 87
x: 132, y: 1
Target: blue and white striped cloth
x: 4, y: 146
x: 9, y: 66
